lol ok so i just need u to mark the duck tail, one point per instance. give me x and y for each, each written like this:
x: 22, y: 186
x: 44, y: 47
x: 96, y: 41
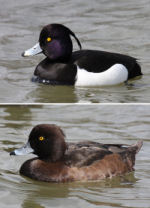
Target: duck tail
x: 135, y: 71
x: 137, y: 68
x: 137, y: 146
x: 128, y: 156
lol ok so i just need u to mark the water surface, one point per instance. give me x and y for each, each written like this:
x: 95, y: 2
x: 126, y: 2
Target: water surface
x: 107, y: 124
x: 116, y: 26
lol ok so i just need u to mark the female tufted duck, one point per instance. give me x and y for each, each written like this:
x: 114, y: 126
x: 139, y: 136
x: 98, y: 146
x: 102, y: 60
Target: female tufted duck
x: 81, y: 68
x: 59, y: 161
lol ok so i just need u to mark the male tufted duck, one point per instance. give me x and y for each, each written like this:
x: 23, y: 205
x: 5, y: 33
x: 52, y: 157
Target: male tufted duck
x: 62, y: 66
x: 59, y: 161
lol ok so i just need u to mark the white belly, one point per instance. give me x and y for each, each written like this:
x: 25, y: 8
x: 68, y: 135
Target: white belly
x: 116, y: 74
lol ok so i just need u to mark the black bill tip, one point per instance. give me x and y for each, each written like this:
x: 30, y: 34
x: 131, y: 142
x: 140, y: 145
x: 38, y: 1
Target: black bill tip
x: 12, y: 153
x: 23, y: 54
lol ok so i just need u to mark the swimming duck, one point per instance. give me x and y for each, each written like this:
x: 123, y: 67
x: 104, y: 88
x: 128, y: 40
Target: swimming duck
x: 62, y: 66
x: 59, y: 161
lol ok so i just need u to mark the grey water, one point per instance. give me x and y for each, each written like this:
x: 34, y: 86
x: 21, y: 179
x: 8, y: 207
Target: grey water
x: 101, y: 123
x: 116, y: 26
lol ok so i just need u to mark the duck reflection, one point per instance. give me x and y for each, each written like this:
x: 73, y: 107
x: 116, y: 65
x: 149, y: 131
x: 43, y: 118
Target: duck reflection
x: 41, y: 194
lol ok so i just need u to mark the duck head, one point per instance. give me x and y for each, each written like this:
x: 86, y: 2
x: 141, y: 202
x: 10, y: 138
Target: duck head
x: 54, y: 42
x: 46, y: 141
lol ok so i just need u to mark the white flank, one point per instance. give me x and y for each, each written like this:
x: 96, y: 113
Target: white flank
x: 116, y: 74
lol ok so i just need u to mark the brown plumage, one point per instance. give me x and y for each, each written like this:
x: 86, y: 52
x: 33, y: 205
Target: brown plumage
x: 81, y: 161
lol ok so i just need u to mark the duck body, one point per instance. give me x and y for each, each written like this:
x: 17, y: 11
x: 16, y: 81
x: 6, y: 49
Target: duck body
x: 59, y: 161
x: 84, y: 67
x: 109, y: 166
x: 88, y: 67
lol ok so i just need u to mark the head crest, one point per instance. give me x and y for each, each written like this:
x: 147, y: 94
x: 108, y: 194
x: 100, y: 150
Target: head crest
x: 78, y: 42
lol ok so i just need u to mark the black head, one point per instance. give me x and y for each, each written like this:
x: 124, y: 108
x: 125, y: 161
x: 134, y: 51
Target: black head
x: 47, y: 141
x: 56, y: 43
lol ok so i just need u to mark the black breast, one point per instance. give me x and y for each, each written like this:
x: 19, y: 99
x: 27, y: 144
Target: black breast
x: 56, y: 73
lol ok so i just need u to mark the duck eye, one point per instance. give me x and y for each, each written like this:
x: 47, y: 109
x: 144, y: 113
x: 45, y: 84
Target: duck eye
x: 48, y: 39
x: 41, y: 138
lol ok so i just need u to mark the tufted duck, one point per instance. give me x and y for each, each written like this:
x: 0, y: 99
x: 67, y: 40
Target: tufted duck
x: 62, y: 66
x: 59, y: 161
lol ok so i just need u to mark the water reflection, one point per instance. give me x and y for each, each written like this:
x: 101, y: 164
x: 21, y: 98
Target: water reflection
x: 17, y: 116
x: 85, y: 191
x: 67, y: 94
x: 53, y: 94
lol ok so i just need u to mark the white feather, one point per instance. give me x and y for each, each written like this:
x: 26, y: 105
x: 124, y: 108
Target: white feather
x: 116, y: 74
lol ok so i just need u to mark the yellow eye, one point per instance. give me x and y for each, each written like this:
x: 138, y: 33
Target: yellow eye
x: 41, y: 138
x: 49, y: 39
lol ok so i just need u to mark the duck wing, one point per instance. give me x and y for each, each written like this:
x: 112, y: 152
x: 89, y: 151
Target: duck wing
x: 100, y: 61
x: 87, y: 152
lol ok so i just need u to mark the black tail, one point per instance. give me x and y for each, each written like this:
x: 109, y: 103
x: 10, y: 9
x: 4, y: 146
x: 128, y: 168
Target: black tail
x: 136, y: 71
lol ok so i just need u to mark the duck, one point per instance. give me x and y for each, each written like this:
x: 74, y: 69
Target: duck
x: 84, y: 67
x: 60, y: 161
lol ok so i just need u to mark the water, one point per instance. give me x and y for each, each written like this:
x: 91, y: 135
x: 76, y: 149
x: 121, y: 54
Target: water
x: 103, y: 123
x: 117, y: 26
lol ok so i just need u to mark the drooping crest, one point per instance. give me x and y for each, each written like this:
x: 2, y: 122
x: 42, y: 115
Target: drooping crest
x: 72, y: 34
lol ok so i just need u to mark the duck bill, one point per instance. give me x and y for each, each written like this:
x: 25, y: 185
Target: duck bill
x: 26, y: 149
x: 36, y: 49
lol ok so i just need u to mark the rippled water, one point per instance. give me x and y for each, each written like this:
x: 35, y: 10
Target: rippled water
x: 118, y: 26
x: 108, y: 124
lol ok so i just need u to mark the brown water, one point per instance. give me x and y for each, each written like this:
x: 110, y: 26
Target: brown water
x: 117, y: 26
x: 108, y: 124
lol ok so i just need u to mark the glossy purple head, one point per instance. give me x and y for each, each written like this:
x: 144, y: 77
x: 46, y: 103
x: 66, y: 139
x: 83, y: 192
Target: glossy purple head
x: 54, y: 42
